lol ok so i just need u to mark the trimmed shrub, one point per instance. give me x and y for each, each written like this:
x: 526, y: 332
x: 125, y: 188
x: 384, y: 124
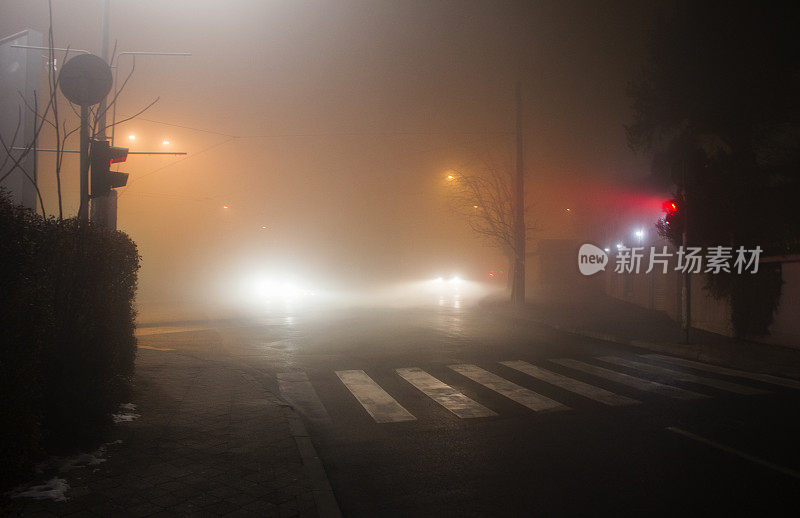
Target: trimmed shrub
x: 67, y: 317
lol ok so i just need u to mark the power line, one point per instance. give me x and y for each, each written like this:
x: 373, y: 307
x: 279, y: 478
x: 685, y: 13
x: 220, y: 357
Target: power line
x: 332, y: 134
x: 187, y: 157
x: 186, y: 127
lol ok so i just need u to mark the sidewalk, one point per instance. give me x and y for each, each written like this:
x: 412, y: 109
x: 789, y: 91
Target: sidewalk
x: 612, y: 320
x: 209, y: 440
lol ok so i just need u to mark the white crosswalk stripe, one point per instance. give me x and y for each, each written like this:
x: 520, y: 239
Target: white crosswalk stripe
x: 383, y: 408
x: 377, y: 402
x: 584, y: 389
x: 758, y: 376
x: 684, y: 376
x: 299, y: 392
x: 631, y: 381
x: 445, y: 395
x: 521, y: 395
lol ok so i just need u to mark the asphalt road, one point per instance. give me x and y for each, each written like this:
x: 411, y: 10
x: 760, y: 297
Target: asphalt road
x: 455, y: 432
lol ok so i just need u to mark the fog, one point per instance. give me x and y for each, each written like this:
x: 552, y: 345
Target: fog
x: 318, y: 135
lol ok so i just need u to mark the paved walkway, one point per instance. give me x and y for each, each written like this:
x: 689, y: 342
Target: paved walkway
x: 209, y: 441
x: 609, y: 319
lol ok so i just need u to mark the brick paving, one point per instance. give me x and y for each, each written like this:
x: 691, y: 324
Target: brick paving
x: 210, y: 441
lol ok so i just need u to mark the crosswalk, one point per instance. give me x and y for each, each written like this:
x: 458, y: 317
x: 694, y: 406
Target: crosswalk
x: 584, y: 389
x: 631, y: 381
x: 382, y: 406
x: 445, y: 395
x: 377, y: 402
x: 682, y: 376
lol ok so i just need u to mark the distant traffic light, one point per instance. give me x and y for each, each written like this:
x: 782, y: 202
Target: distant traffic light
x: 673, y: 211
x: 102, y: 155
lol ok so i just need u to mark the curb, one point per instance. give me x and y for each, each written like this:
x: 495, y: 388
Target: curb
x: 325, y: 500
x: 686, y: 351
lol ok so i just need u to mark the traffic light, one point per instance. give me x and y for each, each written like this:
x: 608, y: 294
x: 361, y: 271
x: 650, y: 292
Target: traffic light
x: 102, y: 155
x: 672, y: 208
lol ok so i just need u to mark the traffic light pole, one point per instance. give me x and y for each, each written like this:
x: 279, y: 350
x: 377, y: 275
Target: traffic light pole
x: 83, y: 210
x: 104, y: 207
x: 686, y: 286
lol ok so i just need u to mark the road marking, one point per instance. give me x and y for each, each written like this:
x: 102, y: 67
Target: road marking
x: 162, y: 330
x: 299, y: 392
x: 766, y: 378
x: 521, y: 395
x: 631, y: 381
x: 376, y: 401
x: 684, y: 376
x: 584, y: 389
x: 733, y: 451
x: 445, y: 395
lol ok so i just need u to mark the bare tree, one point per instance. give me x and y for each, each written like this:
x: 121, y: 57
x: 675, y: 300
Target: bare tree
x: 483, y: 193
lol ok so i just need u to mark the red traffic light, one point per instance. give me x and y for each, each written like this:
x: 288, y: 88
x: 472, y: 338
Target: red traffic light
x: 101, y: 156
x: 670, y: 206
x: 117, y: 154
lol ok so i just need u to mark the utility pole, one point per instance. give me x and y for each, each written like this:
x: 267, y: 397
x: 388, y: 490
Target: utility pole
x: 686, y: 287
x: 104, y: 207
x: 518, y: 288
x: 83, y: 208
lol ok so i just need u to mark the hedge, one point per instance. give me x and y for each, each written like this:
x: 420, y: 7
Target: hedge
x: 67, y: 320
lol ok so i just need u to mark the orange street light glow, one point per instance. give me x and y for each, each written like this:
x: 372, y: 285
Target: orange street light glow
x: 224, y: 206
x: 450, y: 178
x: 131, y: 137
x: 166, y: 142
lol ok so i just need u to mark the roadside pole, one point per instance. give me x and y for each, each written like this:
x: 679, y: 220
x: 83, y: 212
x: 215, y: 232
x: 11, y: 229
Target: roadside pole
x: 83, y: 210
x: 686, y: 291
x: 518, y: 288
x: 104, y: 207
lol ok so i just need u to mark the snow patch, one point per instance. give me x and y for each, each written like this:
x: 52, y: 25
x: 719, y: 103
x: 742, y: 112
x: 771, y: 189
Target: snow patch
x: 127, y: 413
x: 83, y: 460
x: 54, y: 489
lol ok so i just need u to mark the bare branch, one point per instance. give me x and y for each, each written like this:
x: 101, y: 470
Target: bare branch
x: 135, y: 114
x: 116, y: 96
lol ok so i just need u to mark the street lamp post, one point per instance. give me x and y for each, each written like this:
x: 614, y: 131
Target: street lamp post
x: 518, y: 288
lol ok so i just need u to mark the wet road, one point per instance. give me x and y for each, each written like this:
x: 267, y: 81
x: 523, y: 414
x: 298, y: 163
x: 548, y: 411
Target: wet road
x: 464, y: 412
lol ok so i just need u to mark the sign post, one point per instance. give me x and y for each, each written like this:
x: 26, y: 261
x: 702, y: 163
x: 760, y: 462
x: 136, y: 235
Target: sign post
x: 85, y: 80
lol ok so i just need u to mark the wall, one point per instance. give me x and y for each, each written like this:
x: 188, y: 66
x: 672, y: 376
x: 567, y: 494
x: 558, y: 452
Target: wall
x: 20, y: 73
x: 661, y: 292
